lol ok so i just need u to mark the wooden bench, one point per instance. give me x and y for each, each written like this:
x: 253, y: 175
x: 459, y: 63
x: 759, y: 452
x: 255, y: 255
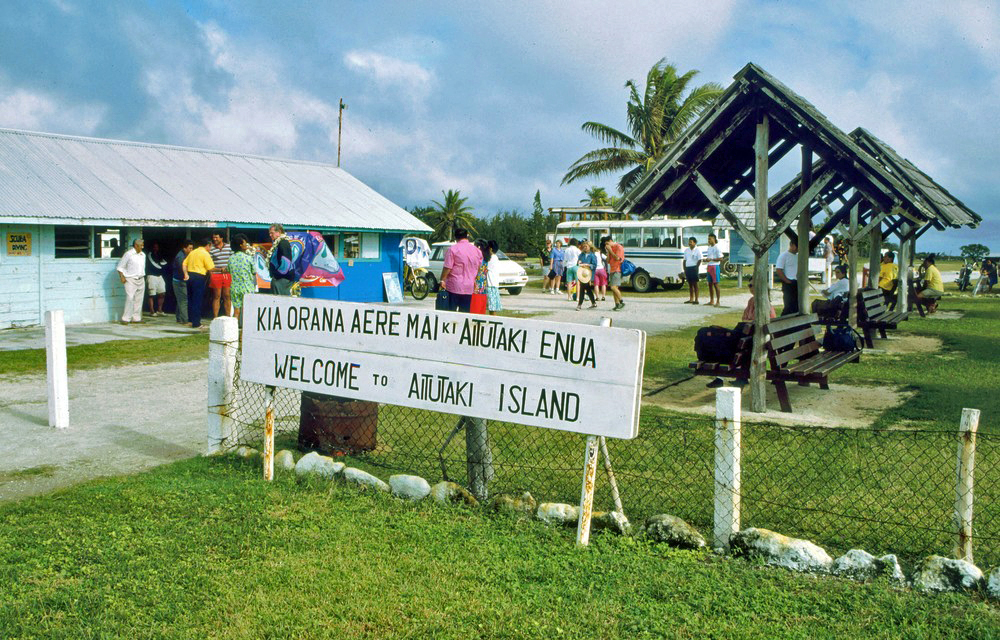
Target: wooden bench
x: 873, y: 314
x: 794, y: 355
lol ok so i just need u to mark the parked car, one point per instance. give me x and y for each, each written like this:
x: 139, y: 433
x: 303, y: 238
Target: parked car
x: 512, y: 275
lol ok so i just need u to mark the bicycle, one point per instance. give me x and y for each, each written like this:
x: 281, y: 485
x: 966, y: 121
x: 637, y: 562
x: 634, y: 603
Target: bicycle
x: 415, y: 282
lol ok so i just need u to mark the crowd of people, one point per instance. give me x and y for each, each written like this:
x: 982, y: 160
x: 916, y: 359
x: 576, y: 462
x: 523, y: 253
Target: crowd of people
x: 586, y: 270
x: 211, y: 267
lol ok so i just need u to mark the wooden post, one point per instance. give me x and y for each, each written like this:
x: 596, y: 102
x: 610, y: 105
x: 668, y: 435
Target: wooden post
x: 762, y: 303
x: 224, y: 336
x: 802, y: 232
x: 902, y: 292
x: 587, y: 492
x: 852, y: 268
x: 616, y: 496
x: 874, y: 255
x: 479, y: 457
x: 269, y: 436
x: 727, y: 466
x: 964, y: 486
x: 56, y: 370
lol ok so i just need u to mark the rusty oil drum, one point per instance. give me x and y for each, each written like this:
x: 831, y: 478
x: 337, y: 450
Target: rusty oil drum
x: 337, y: 425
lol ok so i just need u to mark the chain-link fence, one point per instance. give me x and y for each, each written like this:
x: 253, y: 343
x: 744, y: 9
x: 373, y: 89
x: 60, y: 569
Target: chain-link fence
x: 886, y: 491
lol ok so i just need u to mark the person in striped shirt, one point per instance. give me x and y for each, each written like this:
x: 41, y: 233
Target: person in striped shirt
x: 220, y: 281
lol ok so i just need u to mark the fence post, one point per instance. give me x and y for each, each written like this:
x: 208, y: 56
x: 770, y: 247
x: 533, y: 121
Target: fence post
x: 963, y: 489
x: 479, y: 457
x: 55, y: 368
x: 224, y: 336
x: 727, y: 466
x: 587, y: 492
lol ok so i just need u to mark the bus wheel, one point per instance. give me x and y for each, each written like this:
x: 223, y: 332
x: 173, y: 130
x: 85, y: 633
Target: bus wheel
x: 641, y: 282
x: 728, y: 268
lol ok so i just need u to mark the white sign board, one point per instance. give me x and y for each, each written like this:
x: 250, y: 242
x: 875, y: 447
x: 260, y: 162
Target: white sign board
x: 564, y: 376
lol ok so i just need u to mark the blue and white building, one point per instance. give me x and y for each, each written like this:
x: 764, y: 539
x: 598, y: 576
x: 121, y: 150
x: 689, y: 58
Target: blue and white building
x: 67, y: 202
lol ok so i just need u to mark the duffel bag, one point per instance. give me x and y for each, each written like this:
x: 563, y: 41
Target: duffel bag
x: 715, y: 344
x: 842, y: 337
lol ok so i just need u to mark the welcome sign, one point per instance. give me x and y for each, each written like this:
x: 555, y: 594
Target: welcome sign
x: 562, y: 376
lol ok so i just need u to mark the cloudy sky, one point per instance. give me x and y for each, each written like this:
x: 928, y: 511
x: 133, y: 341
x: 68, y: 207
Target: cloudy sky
x: 488, y: 97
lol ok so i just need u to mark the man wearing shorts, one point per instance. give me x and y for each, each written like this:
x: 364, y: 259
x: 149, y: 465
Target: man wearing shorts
x: 571, y: 255
x: 615, y: 255
x: 219, y: 280
x: 155, y: 286
x: 713, y: 256
x: 692, y: 260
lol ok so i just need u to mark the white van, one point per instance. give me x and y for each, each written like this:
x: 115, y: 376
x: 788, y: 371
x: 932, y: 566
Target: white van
x: 512, y: 275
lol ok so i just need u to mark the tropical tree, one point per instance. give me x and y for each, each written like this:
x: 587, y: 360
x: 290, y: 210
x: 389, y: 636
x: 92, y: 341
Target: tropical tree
x: 657, y: 116
x: 451, y: 215
x: 974, y: 252
x: 596, y: 197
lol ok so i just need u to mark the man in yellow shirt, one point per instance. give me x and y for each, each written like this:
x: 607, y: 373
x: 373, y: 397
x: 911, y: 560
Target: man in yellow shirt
x: 197, y: 265
x: 933, y: 287
x: 888, y: 275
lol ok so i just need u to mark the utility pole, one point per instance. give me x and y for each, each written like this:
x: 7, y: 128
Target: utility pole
x: 340, y: 127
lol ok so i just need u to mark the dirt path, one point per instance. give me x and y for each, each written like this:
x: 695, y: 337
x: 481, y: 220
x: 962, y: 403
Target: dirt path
x: 122, y: 420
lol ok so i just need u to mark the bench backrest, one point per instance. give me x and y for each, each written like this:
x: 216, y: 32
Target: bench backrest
x: 791, y: 338
x: 871, y: 303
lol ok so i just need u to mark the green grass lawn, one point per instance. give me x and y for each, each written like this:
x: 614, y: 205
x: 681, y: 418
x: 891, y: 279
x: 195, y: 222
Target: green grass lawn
x: 205, y: 548
x: 111, y: 353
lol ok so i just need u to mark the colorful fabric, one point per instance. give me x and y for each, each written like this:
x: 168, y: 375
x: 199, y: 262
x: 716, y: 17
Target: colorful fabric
x: 481, y: 276
x: 241, y: 268
x: 493, y: 299
x: 299, y: 256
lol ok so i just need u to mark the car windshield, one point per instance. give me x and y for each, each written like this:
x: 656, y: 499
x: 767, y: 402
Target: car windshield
x: 502, y: 255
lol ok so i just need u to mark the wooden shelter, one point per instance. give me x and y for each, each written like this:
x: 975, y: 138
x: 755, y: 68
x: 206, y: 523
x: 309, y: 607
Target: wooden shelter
x: 727, y: 153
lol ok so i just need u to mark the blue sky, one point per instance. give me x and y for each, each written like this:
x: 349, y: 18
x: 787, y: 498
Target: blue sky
x: 488, y: 97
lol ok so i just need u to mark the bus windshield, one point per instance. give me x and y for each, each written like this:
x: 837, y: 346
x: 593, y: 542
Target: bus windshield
x: 700, y: 233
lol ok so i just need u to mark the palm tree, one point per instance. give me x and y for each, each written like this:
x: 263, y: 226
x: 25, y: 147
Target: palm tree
x: 656, y: 118
x: 596, y: 197
x: 451, y: 215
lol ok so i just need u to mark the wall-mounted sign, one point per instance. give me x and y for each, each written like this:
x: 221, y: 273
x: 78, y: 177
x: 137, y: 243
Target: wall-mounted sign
x: 564, y: 376
x: 18, y: 243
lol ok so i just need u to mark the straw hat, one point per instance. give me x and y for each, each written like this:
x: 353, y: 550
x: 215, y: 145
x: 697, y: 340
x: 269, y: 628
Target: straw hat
x: 584, y: 274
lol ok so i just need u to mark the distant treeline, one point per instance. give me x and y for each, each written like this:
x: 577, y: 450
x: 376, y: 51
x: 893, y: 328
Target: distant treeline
x: 514, y: 231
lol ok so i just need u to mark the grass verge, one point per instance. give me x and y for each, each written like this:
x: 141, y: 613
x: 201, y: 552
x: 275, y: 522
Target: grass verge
x: 203, y: 547
x: 113, y: 352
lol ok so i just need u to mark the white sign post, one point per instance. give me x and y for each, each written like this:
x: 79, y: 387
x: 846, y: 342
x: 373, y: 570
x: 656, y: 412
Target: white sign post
x: 571, y: 377
x: 56, y: 371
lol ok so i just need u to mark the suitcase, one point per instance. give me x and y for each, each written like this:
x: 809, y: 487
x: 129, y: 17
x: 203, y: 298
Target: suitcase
x: 715, y: 344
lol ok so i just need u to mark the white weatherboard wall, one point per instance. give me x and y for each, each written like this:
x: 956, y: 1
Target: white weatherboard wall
x: 513, y: 370
x: 85, y: 289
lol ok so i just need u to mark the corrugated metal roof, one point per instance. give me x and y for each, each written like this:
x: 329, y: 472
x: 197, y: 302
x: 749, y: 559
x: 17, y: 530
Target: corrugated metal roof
x: 46, y: 176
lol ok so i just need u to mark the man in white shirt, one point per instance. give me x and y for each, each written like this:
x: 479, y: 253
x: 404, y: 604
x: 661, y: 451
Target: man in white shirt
x: 132, y: 271
x: 692, y: 260
x: 787, y: 269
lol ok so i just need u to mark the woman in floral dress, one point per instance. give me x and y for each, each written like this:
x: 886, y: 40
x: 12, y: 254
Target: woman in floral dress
x: 241, y: 268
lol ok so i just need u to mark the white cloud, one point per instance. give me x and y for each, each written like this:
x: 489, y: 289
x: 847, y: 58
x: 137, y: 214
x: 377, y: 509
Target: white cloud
x: 403, y: 79
x: 260, y: 111
x: 23, y: 109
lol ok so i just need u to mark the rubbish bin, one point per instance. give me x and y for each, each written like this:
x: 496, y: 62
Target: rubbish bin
x: 337, y: 425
